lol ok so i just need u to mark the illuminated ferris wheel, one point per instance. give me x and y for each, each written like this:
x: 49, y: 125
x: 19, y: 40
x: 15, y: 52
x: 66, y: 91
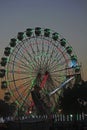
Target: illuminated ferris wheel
x: 35, y: 68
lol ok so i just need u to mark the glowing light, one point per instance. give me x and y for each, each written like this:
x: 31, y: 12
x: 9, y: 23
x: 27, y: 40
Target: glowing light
x: 71, y: 115
x: 72, y: 63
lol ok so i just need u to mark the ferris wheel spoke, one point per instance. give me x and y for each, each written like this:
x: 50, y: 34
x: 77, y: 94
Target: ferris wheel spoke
x: 21, y: 57
x: 17, y: 99
x: 56, y: 65
x: 33, y: 55
x: 43, y: 56
x: 42, y: 46
x: 20, y: 53
x: 43, y: 51
x: 48, y: 58
x: 26, y: 59
x: 24, y: 90
x: 19, y: 79
x: 30, y: 58
x: 61, y: 61
x: 59, y: 57
x: 21, y: 86
x: 53, y: 60
x: 18, y: 65
x: 20, y: 61
x: 20, y: 94
x: 51, y: 55
x: 61, y: 75
x: 36, y: 42
x: 18, y: 72
x: 63, y: 69
x: 26, y: 85
x: 57, y: 69
x: 24, y: 78
x: 21, y: 97
x: 38, y: 52
x: 23, y: 93
x: 25, y: 98
x: 58, y: 80
x: 55, y: 80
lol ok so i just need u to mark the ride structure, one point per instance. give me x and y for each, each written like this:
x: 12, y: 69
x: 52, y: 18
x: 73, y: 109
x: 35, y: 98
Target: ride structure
x: 35, y: 68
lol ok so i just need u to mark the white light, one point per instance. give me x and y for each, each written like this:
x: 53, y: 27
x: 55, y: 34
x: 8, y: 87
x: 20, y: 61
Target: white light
x: 71, y: 115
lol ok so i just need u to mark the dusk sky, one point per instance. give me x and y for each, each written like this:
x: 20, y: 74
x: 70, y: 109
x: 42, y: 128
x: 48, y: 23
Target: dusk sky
x: 67, y: 17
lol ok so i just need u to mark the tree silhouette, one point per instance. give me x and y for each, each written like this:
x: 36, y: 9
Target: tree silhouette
x: 6, y: 109
x: 74, y: 100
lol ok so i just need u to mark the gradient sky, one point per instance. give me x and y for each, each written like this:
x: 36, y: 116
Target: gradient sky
x: 67, y: 17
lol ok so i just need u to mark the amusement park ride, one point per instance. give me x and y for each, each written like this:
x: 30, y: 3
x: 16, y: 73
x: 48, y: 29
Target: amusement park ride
x: 36, y: 67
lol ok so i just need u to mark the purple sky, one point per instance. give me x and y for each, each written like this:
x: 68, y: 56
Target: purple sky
x: 67, y: 17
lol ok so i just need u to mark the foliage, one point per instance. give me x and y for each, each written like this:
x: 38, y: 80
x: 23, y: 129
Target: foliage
x: 6, y: 109
x: 74, y: 100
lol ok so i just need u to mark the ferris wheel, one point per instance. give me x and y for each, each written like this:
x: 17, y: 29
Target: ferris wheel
x: 35, y: 67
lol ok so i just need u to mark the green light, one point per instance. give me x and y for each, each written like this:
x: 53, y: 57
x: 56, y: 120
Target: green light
x: 6, y: 71
x: 17, y: 102
x: 11, y: 93
x: 33, y: 82
x: 77, y: 116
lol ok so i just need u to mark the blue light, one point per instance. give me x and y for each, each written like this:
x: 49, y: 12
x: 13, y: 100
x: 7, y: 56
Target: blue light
x: 73, y: 63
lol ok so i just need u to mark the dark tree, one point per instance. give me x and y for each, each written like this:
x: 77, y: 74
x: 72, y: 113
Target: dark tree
x: 73, y: 99
x: 6, y: 109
